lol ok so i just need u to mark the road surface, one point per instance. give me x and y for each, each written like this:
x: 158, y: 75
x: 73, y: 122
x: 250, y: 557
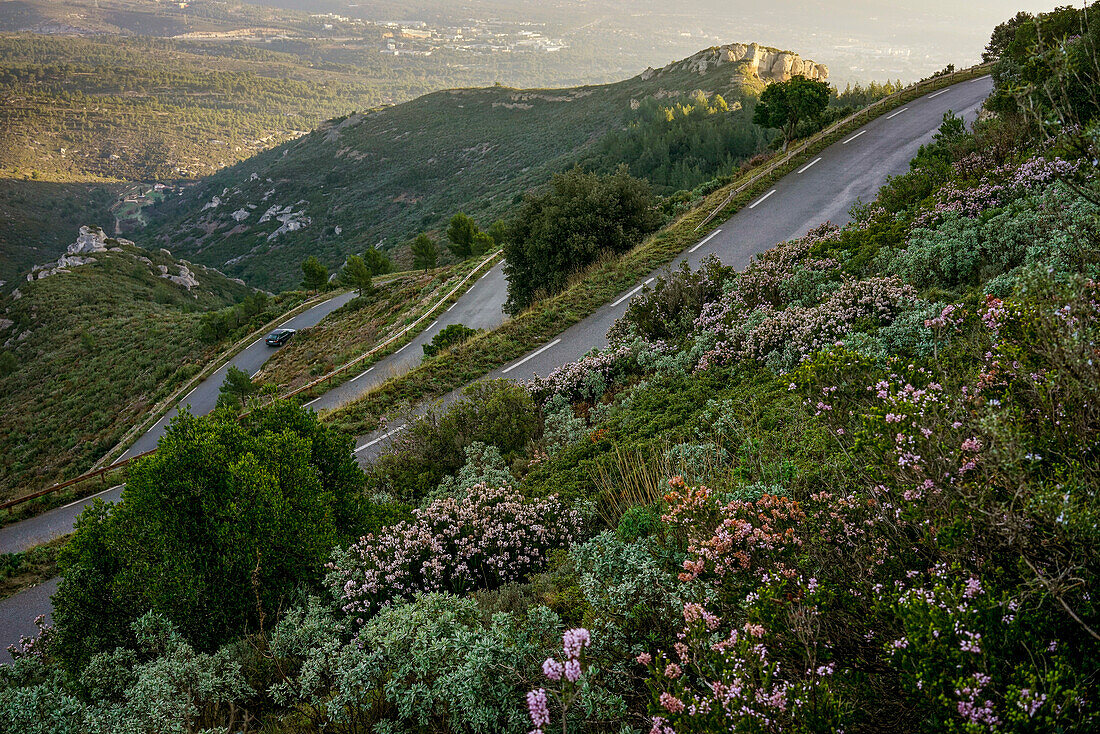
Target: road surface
x: 822, y: 190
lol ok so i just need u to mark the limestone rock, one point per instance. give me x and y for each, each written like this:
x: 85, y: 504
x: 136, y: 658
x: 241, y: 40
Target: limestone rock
x: 767, y: 64
x: 91, y: 239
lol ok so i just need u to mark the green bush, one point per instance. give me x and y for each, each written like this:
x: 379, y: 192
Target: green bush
x: 496, y: 413
x: 447, y: 338
x: 219, y: 529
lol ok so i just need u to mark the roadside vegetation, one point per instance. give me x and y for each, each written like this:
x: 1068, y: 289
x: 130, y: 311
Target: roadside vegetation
x: 853, y: 488
x: 90, y: 351
x: 359, y: 325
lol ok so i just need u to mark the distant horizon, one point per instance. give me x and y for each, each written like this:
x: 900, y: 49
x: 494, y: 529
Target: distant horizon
x: 860, y: 40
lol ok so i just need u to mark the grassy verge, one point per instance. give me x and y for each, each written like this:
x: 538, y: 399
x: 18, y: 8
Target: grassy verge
x: 19, y: 571
x: 601, y: 283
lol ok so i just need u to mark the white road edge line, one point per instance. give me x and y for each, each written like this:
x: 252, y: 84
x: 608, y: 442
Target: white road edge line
x: 403, y: 348
x: 311, y: 402
x: 891, y: 117
x: 452, y: 305
x: 91, y: 497
x: 253, y: 375
x: 933, y: 96
x: 760, y: 201
x: 704, y: 240
x: 431, y: 325
x: 384, y: 436
x: 809, y: 165
x: 361, y: 374
x: 532, y: 355
x: 853, y: 137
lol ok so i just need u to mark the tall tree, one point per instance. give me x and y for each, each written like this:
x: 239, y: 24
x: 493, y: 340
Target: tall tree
x: 357, y: 274
x: 314, y: 274
x: 460, y: 234
x: 377, y: 262
x: 483, y: 242
x: 785, y: 104
x: 424, y: 252
x: 567, y: 227
x: 221, y: 527
x: 236, y: 389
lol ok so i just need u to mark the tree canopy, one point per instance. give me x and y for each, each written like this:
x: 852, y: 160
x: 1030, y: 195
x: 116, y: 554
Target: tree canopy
x: 425, y: 253
x: 358, y: 274
x: 564, y: 229
x: 784, y: 104
x: 218, y: 530
x: 314, y: 274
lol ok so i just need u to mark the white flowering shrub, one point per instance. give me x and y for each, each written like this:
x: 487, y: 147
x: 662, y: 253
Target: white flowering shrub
x: 490, y: 536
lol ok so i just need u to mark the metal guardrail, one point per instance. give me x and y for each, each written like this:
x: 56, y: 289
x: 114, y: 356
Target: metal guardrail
x: 817, y: 137
x: 102, y: 471
x: 769, y: 169
x: 378, y: 347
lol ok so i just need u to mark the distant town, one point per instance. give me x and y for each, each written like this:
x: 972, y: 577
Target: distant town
x: 418, y: 38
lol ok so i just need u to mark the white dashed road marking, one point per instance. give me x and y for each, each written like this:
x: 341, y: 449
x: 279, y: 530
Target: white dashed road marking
x: 384, y: 436
x: 891, y: 117
x: 853, y: 137
x: 809, y: 165
x: 532, y: 355
x: 361, y: 374
x: 761, y: 199
x: 705, y: 240
x: 942, y: 91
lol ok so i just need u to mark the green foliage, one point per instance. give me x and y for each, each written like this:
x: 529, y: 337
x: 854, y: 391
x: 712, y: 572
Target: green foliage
x: 461, y: 233
x: 378, y: 263
x: 220, y: 528
x: 236, y: 389
x: 255, y: 310
x: 497, y: 413
x: 483, y: 242
x: 447, y: 338
x: 314, y: 274
x: 456, y: 671
x: 424, y: 252
x: 681, y: 146
x: 8, y: 363
x: 357, y: 274
x: 783, y: 105
x: 558, y: 233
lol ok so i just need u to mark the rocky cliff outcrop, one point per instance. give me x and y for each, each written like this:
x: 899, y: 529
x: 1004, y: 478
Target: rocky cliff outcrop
x: 750, y: 60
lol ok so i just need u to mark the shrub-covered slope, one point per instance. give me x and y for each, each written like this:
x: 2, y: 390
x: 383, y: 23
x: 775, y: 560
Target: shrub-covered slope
x: 853, y: 487
x: 384, y: 175
x: 91, y: 343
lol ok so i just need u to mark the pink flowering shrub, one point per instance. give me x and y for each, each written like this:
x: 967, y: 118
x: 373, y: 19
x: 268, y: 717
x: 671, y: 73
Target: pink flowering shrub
x: 484, y: 538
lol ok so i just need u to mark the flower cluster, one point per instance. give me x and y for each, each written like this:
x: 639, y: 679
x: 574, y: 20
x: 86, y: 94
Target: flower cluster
x: 566, y: 672
x: 585, y: 379
x: 784, y: 338
x: 487, y: 537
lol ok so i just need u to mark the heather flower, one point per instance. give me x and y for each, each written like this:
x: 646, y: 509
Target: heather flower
x: 537, y: 709
x: 575, y: 640
x: 552, y: 669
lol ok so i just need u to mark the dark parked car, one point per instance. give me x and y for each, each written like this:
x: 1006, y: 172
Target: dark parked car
x: 279, y: 337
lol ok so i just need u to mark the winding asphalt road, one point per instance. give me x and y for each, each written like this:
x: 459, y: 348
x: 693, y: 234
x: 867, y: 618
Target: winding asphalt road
x: 822, y: 190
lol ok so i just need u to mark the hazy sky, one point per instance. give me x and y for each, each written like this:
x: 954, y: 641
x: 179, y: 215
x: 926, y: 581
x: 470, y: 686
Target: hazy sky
x: 859, y: 39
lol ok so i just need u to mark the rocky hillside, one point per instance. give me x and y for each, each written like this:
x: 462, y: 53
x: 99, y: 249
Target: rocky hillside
x: 380, y: 177
x: 87, y: 343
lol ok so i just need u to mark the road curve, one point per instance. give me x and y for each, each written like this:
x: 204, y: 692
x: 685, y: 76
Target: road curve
x: 822, y: 190
x: 200, y: 401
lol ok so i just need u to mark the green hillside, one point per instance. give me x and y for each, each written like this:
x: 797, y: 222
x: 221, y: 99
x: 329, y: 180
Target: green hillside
x: 382, y: 176
x: 86, y: 350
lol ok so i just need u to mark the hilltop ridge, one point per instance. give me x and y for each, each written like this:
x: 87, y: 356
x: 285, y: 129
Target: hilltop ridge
x: 376, y: 178
x: 752, y: 59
